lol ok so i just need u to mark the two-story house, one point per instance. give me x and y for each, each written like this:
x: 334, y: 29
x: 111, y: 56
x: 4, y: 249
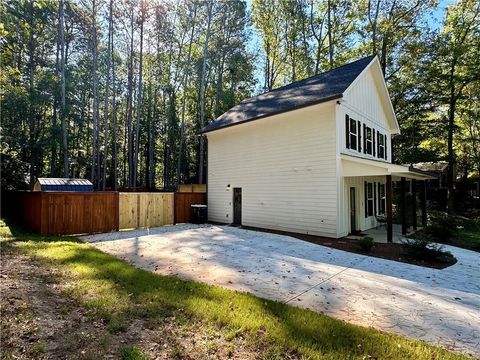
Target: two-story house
x: 311, y: 157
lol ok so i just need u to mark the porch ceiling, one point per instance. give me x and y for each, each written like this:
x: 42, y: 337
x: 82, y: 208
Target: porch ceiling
x: 356, y: 166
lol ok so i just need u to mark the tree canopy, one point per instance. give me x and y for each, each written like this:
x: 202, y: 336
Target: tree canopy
x: 117, y: 90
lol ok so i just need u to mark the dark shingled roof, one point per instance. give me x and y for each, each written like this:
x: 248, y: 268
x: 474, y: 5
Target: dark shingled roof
x: 313, y: 90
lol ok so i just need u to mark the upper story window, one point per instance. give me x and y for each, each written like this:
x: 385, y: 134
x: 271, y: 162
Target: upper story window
x: 364, y: 139
x: 353, y: 134
x: 369, y: 140
x: 381, y: 145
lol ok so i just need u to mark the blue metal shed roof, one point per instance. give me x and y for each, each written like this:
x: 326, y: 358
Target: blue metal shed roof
x: 64, y: 184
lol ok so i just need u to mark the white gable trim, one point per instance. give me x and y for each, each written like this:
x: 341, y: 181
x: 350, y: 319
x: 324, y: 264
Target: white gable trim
x: 384, y: 95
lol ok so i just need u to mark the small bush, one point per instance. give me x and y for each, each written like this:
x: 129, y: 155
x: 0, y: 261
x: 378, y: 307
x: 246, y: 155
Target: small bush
x: 441, y: 226
x: 423, y: 249
x: 133, y: 353
x: 366, y: 243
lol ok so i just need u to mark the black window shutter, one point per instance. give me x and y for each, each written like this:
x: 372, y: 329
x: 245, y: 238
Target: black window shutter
x: 379, y: 199
x: 347, y: 131
x: 373, y: 145
x: 386, y: 156
x: 359, y: 127
x: 374, y: 198
x: 364, y: 139
x: 366, y: 199
x: 378, y: 142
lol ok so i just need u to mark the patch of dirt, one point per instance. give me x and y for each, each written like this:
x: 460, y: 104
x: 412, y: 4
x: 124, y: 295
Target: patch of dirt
x: 391, y: 251
x: 38, y: 320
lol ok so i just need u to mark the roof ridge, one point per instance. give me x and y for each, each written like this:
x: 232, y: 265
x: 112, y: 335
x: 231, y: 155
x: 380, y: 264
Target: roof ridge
x: 307, y: 78
x: 314, y: 89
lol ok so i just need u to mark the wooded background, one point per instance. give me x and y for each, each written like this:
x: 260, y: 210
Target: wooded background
x: 116, y: 91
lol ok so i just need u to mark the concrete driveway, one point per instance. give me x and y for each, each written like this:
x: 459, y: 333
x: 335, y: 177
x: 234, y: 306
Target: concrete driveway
x: 437, y: 306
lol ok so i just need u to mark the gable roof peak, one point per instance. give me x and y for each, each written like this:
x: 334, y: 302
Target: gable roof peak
x: 315, y: 89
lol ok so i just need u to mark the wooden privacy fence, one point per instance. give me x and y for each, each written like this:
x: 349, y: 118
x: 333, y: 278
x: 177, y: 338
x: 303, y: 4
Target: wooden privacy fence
x: 145, y: 210
x: 194, y: 188
x: 68, y: 213
x: 65, y: 213
x: 183, y: 205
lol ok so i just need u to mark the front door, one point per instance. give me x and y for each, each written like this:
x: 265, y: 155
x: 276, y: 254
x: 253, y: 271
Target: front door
x: 237, y: 206
x: 353, y: 213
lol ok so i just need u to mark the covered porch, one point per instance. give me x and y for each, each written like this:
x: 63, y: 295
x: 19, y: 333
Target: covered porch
x: 368, y: 207
x: 379, y: 234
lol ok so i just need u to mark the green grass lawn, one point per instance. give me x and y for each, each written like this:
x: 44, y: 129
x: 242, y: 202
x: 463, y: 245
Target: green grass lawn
x: 469, y: 232
x: 119, y: 293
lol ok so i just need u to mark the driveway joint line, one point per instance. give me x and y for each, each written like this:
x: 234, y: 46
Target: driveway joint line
x: 324, y: 280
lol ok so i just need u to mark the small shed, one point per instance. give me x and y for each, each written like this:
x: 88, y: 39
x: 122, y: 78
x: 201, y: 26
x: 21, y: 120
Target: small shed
x: 62, y: 184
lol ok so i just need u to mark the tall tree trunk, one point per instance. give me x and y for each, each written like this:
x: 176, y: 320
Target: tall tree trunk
x: 201, y: 156
x: 107, y: 96
x: 31, y: 107
x: 329, y: 28
x: 114, y: 118
x: 184, y: 98
x: 151, y: 141
x: 53, y: 142
x: 94, y: 175
x: 139, y: 102
x: 62, y: 87
x: 130, y: 102
x: 451, y: 153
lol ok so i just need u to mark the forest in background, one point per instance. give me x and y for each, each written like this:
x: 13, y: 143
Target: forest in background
x: 116, y: 91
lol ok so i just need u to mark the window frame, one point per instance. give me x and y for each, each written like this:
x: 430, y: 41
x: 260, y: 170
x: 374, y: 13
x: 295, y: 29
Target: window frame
x: 382, y: 199
x: 369, y: 141
x: 381, y: 146
x: 369, y: 198
x: 353, y: 136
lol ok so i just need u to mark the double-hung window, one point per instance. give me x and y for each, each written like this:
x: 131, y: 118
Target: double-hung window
x: 381, y: 146
x: 369, y: 199
x: 353, y: 134
x: 369, y: 140
x: 381, y: 198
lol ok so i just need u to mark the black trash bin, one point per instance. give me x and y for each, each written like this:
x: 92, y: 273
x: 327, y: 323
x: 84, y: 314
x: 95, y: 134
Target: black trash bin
x: 199, y: 214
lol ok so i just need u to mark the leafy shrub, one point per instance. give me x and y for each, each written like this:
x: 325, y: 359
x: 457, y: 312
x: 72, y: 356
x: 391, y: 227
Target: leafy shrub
x: 366, y: 243
x: 441, y: 226
x: 132, y: 353
x: 423, y: 249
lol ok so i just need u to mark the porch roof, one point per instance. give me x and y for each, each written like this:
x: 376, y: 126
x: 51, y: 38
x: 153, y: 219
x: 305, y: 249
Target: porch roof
x: 356, y: 166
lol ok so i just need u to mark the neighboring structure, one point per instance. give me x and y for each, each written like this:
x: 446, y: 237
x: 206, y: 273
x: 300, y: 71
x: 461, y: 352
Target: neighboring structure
x: 311, y: 157
x: 62, y: 184
x: 440, y: 169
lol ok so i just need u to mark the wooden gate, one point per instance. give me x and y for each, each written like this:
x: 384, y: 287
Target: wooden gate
x: 137, y: 210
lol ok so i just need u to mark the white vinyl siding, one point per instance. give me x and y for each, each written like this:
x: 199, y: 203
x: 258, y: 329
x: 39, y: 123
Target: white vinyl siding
x: 362, y: 103
x: 286, y: 167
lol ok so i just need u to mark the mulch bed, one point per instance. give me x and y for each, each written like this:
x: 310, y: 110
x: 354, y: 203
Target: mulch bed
x: 392, y: 251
